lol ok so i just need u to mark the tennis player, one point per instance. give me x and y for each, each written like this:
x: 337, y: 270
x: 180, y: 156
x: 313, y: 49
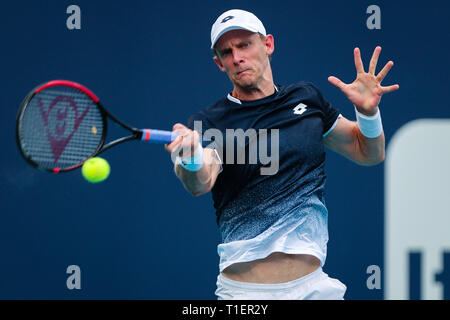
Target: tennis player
x: 274, y: 227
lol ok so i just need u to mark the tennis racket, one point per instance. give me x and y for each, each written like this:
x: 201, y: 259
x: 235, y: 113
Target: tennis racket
x: 61, y: 124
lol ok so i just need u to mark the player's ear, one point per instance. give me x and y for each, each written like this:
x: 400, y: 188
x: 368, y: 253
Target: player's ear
x: 219, y: 63
x: 270, y: 44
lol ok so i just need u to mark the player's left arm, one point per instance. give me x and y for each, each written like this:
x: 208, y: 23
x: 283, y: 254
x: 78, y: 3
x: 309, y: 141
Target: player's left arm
x: 365, y: 94
x: 347, y: 140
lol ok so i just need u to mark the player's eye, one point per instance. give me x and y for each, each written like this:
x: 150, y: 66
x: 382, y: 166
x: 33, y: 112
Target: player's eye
x: 225, y: 53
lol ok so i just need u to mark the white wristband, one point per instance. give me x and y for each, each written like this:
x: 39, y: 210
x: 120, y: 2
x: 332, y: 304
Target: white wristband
x: 370, y: 126
x: 193, y: 163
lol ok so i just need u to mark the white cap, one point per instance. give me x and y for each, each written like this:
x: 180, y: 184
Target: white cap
x: 235, y: 19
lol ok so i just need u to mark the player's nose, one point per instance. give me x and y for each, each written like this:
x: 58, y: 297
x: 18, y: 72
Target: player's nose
x: 237, y: 57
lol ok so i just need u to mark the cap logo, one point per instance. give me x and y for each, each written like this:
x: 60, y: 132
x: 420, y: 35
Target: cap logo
x: 226, y: 19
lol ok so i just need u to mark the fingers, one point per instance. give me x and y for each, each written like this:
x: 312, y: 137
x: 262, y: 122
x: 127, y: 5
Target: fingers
x: 171, y: 147
x: 336, y: 82
x: 374, y: 60
x: 185, y: 143
x: 358, y: 62
x: 178, y: 127
x: 182, y: 131
x: 384, y: 71
x: 390, y: 88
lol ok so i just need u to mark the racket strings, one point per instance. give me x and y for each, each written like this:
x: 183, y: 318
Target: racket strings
x: 61, y: 126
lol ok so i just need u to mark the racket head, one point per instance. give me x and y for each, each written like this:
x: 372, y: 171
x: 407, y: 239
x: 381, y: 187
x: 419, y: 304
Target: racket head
x: 60, y: 125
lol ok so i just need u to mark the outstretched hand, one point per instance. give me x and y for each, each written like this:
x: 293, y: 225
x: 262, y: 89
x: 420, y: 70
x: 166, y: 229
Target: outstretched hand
x: 366, y: 91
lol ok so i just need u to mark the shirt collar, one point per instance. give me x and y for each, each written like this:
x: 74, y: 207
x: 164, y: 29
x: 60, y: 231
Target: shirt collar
x: 236, y: 100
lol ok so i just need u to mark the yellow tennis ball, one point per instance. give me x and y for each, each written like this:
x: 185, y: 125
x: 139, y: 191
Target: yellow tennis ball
x: 95, y: 169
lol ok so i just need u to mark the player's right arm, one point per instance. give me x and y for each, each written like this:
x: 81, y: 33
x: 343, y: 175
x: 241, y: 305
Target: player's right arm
x: 195, y: 182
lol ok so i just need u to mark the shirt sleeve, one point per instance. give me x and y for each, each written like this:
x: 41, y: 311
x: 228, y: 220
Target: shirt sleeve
x: 329, y: 113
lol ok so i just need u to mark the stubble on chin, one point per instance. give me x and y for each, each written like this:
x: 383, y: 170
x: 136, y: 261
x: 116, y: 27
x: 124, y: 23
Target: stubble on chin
x: 248, y: 85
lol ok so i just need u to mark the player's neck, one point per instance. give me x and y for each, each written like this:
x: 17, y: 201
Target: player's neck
x: 263, y: 89
x: 254, y: 93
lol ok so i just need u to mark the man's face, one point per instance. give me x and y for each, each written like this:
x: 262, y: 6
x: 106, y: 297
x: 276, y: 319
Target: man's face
x: 244, y: 56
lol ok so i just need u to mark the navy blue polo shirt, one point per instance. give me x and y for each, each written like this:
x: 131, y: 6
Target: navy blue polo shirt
x: 246, y: 201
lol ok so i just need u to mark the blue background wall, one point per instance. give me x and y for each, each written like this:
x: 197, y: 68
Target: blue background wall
x: 140, y: 235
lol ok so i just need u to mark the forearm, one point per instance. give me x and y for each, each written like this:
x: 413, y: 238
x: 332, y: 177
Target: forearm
x: 348, y: 140
x: 370, y: 137
x: 195, y: 182
x: 371, y: 150
x: 199, y: 172
x: 201, y: 181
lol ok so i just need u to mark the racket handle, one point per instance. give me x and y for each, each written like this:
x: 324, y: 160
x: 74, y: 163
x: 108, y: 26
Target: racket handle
x: 158, y: 136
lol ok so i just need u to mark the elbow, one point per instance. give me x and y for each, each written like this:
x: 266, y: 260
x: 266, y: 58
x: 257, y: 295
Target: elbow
x: 374, y: 160
x: 192, y: 185
x: 380, y: 158
x: 196, y: 193
x: 199, y: 192
x: 371, y: 156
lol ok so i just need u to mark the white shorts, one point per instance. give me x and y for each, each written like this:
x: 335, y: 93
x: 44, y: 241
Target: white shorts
x: 314, y: 286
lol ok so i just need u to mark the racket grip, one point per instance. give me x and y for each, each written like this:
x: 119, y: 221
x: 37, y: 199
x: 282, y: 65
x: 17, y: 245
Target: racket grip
x: 158, y: 136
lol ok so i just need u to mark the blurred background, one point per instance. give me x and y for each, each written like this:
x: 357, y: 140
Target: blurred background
x: 140, y: 235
